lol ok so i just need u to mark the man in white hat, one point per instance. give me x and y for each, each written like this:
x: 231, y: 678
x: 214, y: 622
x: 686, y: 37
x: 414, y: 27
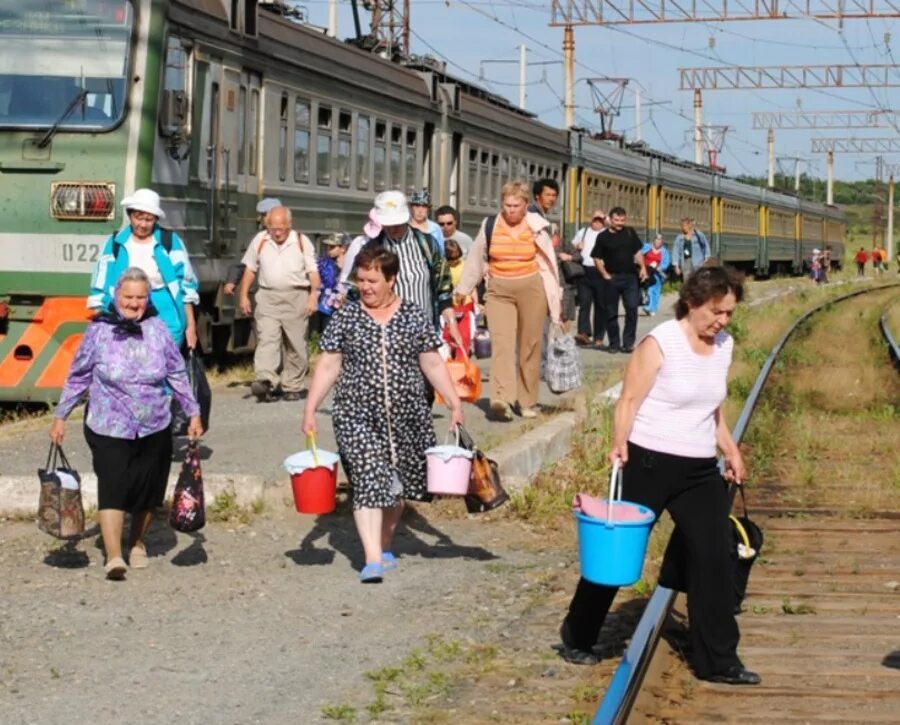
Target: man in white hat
x: 424, y: 278
x: 288, y: 294
x: 236, y: 271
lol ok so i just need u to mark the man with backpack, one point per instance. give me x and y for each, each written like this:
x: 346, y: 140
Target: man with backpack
x: 691, y: 249
x: 284, y: 262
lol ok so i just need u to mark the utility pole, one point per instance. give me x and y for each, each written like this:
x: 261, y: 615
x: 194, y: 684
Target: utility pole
x: 332, y: 18
x: 698, y: 130
x: 890, y: 221
x: 798, y: 164
x: 569, y: 53
x: 638, y: 134
x: 829, y: 193
x: 771, y: 147
x: 390, y: 27
x: 523, y: 70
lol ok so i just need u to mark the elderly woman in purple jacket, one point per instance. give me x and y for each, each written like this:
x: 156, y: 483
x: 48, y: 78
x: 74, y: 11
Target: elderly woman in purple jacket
x: 128, y: 364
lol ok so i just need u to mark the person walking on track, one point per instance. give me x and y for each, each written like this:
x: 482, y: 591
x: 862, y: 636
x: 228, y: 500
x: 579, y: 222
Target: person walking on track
x: 691, y: 249
x: 284, y: 262
x: 590, y: 287
x: 668, y: 424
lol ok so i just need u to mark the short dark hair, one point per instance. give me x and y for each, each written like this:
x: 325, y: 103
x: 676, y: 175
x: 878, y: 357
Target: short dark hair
x: 447, y: 209
x: 451, y: 243
x: 618, y: 211
x: 710, y: 282
x: 375, y: 256
x: 538, y: 186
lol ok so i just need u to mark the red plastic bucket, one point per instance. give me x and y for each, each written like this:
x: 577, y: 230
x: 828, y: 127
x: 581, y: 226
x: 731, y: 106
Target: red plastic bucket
x: 313, y: 480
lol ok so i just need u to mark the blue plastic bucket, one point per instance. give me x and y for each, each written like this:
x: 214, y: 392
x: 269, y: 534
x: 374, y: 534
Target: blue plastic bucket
x: 612, y: 553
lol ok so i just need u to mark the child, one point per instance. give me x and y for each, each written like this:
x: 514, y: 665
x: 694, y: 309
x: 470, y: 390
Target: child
x: 463, y: 307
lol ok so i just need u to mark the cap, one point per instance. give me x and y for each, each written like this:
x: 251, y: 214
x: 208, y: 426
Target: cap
x: 391, y: 208
x: 420, y: 198
x: 144, y: 200
x: 335, y: 239
x: 266, y: 205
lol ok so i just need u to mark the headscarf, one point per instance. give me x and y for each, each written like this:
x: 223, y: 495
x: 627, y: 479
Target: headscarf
x: 122, y: 326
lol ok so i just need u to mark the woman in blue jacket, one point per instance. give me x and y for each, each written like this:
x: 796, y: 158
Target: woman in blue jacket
x: 163, y: 257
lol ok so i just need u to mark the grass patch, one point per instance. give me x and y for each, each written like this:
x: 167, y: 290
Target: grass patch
x: 226, y: 509
x: 341, y: 713
x: 789, y: 607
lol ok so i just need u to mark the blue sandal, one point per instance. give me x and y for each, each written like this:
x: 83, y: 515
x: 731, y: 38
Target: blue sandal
x: 388, y: 561
x: 372, y: 573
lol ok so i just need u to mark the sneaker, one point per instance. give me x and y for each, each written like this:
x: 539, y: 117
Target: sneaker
x: 613, y: 349
x: 262, y: 389
x: 115, y: 569
x: 734, y: 675
x: 501, y: 411
x: 388, y: 561
x: 628, y: 349
x: 528, y: 412
x: 294, y: 395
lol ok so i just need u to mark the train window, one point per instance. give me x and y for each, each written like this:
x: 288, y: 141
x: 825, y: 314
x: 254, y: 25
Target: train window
x: 253, y: 125
x: 242, y: 130
x: 396, y: 157
x: 235, y: 13
x: 412, y: 150
x: 250, y: 17
x: 323, y: 147
x: 473, y: 176
x: 532, y: 171
x: 484, y: 179
x: 362, y: 153
x: 345, y: 128
x: 301, y: 141
x: 495, y: 177
x: 380, y: 156
x: 504, y: 169
x: 282, y: 138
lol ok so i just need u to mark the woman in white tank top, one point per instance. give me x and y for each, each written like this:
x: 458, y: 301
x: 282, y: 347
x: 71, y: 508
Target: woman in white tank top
x: 668, y: 426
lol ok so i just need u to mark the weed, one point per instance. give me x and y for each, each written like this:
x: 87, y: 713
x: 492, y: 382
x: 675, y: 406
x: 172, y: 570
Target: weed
x: 442, y: 650
x: 643, y: 588
x: 577, y: 717
x: 54, y: 673
x: 586, y: 693
x: 790, y: 608
x: 343, y: 713
x: 226, y: 509
x: 759, y: 609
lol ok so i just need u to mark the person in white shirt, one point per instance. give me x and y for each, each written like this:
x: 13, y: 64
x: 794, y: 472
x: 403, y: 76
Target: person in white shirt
x: 285, y: 264
x: 448, y: 220
x: 590, y: 286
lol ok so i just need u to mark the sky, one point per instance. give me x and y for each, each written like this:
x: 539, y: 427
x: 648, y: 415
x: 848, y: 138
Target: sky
x: 464, y: 33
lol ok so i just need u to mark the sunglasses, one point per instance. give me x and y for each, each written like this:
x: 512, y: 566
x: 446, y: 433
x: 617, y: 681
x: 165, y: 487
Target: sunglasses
x: 446, y: 224
x: 598, y: 219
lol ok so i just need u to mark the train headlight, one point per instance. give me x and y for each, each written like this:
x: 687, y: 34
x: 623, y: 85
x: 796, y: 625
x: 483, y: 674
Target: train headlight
x: 82, y: 200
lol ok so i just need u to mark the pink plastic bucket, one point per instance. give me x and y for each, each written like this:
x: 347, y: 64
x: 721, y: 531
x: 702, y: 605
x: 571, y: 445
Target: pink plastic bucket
x: 449, y: 470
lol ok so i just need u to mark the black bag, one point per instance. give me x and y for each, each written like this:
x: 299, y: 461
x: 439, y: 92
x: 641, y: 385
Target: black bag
x: 485, y: 490
x: 200, y: 387
x: 60, y: 510
x: 572, y: 271
x: 188, y: 512
x: 747, y: 540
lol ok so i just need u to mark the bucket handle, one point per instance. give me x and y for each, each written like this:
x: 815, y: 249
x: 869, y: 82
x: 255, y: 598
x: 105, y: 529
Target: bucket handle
x: 615, y: 489
x: 311, y: 443
x: 454, y: 429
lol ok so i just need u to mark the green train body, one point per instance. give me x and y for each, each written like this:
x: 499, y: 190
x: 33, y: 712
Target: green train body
x: 217, y: 104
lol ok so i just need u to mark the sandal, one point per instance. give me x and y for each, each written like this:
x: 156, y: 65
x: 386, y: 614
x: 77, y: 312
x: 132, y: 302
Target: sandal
x: 388, y: 561
x: 372, y: 573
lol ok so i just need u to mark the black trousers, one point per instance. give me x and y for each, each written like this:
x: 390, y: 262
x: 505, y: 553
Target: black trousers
x: 623, y: 285
x: 591, y: 293
x: 694, y: 494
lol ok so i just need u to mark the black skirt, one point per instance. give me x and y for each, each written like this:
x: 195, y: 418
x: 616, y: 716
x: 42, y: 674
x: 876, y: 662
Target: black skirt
x: 131, y: 473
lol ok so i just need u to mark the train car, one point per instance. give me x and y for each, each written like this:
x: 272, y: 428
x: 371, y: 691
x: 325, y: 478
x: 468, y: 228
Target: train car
x: 217, y: 104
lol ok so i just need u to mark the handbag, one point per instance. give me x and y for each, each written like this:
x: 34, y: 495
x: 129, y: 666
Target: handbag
x: 563, y: 369
x: 60, y: 509
x: 744, y: 547
x: 572, y: 271
x: 188, y: 512
x: 485, y: 490
x: 202, y: 394
x: 466, y: 377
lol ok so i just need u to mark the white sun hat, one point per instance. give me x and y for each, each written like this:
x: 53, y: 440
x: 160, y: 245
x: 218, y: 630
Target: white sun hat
x: 391, y: 208
x: 144, y: 200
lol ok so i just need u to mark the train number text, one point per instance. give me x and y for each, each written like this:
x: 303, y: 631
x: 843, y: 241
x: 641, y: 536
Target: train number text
x: 80, y: 252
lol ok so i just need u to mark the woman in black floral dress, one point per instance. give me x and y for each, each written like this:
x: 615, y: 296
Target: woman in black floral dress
x: 377, y: 352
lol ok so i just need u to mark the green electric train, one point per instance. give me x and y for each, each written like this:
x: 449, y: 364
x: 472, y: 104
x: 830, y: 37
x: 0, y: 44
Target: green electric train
x: 217, y: 103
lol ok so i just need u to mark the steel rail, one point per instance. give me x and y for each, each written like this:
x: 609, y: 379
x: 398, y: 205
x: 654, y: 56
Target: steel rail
x: 890, y: 339
x: 626, y: 682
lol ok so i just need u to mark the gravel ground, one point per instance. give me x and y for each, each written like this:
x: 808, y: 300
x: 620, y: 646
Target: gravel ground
x: 262, y: 623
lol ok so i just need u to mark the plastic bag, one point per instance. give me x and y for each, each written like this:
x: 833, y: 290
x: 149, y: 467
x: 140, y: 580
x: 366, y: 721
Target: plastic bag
x: 563, y: 369
x: 188, y: 512
x: 466, y: 376
x: 60, y: 510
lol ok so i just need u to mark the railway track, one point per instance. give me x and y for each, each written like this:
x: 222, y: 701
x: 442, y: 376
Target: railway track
x: 821, y: 622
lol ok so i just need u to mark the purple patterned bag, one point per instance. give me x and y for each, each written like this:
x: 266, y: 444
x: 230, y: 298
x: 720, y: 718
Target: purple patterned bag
x: 188, y: 512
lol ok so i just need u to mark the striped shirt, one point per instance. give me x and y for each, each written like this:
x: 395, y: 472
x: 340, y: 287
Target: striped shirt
x: 678, y: 414
x: 414, y: 277
x: 513, y: 251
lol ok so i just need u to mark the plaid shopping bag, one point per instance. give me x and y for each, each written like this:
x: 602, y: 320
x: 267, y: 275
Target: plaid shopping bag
x: 563, y: 369
x: 60, y: 510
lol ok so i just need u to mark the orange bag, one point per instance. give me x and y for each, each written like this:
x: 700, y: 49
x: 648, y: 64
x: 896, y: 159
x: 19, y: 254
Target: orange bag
x: 466, y: 377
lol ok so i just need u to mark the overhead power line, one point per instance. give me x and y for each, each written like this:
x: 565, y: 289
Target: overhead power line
x: 789, y: 76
